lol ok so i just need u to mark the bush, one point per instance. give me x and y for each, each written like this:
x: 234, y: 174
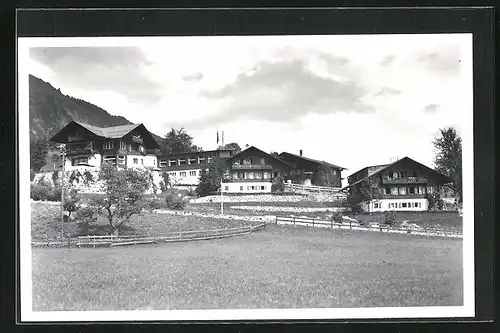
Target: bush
x: 435, y: 201
x: 155, y: 203
x: 85, y: 216
x: 389, y: 217
x: 40, y: 192
x: 337, y: 217
x: 88, y: 177
x: 55, y: 177
x: 173, y: 200
x: 277, y: 186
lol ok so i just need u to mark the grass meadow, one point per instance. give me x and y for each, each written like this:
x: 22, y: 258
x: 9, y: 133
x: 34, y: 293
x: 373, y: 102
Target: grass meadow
x: 279, y: 267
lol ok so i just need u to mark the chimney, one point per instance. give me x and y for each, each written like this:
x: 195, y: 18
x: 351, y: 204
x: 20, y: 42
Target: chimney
x: 301, y: 152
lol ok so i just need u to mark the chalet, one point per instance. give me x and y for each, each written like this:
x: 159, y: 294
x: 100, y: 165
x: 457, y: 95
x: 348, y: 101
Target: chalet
x: 402, y: 185
x: 185, y: 168
x: 309, y: 171
x: 253, y: 171
x: 125, y: 146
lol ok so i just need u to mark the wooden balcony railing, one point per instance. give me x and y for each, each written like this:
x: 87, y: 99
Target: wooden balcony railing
x: 252, y: 166
x: 404, y: 180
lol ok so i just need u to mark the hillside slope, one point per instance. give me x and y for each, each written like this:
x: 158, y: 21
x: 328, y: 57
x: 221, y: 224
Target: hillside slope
x: 50, y: 111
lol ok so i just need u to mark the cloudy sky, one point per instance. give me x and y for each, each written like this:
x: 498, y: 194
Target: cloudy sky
x: 350, y: 100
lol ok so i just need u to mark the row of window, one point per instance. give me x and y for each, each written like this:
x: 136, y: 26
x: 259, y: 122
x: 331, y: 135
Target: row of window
x: 184, y: 173
x: 252, y: 175
x: 404, y: 190
x: 399, y: 205
x: 249, y: 188
x: 400, y: 174
x: 299, y: 172
x: 250, y: 161
x: 184, y: 161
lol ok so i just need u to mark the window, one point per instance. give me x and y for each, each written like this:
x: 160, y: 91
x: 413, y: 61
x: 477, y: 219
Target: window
x: 404, y: 204
x: 262, y: 188
x: 172, y: 162
x: 402, y: 190
x: 123, y: 145
x: 210, y: 159
x: 192, y: 173
x: 108, y: 145
x: 247, y: 161
x: 250, y: 175
x: 235, y: 175
x: 192, y: 160
x: 162, y: 163
x: 375, y: 205
x: 241, y: 188
x: 249, y: 188
x: 411, y: 190
x: 226, y: 188
x: 80, y: 160
x: 419, y: 205
x: 334, y: 172
x: 121, y: 159
x: 275, y: 174
x: 258, y: 175
x: 173, y: 174
x: 262, y: 161
x: 387, y: 190
x: 109, y: 159
x: 182, y: 161
x: 430, y: 189
x: 201, y: 159
x: 394, y: 190
x: 182, y: 173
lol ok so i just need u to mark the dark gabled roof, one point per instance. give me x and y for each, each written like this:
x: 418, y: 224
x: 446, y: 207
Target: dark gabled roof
x: 381, y: 166
x: 111, y: 132
x: 263, y: 152
x: 445, y: 178
x: 314, y: 161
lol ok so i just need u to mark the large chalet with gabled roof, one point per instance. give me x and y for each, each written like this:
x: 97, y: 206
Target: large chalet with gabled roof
x: 308, y: 171
x: 400, y: 186
x: 253, y: 171
x: 124, y: 146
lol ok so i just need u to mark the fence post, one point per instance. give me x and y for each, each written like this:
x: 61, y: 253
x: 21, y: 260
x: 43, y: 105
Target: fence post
x: 294, y: 220
x: 94, y: 241
x: 350, y: 225
x: 331, y: 223
x: 69, y: 241
x: 276, y: 219
x: 313, y: 221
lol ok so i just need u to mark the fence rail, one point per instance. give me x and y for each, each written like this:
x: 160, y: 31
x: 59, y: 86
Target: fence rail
x: 312, y: 188
x: 181, y: 236
x: 352, y: 225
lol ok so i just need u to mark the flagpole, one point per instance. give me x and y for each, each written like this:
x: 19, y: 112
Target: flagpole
x: 221, y: 199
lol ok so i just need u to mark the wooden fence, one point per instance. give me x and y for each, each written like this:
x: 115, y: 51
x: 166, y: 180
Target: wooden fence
x: 122, y: 240
x: 312, y: 188
x: 352, y: 225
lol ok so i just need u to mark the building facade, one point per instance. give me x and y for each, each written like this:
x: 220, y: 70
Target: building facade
x: 309, y: 171
x: 253, y: 171
x: 399, y: 186
x: 125, y: 146
x: 185, y: 168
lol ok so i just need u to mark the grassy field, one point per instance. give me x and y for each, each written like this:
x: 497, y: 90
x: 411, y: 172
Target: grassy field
x: 281, y: 267
x: 46, y: 222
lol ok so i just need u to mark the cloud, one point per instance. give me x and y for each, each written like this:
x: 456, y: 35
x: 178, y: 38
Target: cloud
x: 117, y: 69
x: 284, y: 92
x: 445, y: 60
x: 388, y: 60
x: 195, y: 77
x: 431, y: 108
x: 388, y: 92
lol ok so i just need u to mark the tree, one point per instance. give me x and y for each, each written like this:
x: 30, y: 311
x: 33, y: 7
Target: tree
x: 38, y: 154
x: 365, y: 191
x: 210, y: 180
x: 178, y: 141
x: 124, y: 195
x: 233, y: 146
x: 448, y: 158
x: 71, y: 201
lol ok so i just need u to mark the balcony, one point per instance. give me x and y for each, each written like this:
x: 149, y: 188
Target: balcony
x: 79, y: 149
x: 403, y: 196
x: 246, y: 180
x: 404, y: 180
x: 251, y: 166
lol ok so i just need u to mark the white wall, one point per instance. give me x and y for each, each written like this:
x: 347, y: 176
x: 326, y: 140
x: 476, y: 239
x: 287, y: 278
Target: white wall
x: 176, y: 178
x: 236, y: 187
x: 148, y: 161
x: 384, y: 205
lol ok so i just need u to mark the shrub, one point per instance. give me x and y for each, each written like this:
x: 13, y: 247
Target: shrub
x: 71, y: 201
x: 435, y: 201
x: 155, y: 203
x: 173, y: 200
x: 40, y: 192
x: 162, y: 186
x: 85, y: 216
x: 54, y: 194
x: 389, y: 217
x: 55, y: 177
x: 88, y: 177
x: 277, y: 186
x: 337, y: 217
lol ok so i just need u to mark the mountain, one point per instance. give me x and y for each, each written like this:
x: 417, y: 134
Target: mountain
x: 50, y: 111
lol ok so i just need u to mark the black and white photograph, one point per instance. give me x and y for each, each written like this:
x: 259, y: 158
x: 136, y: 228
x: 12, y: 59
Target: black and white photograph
x: 246, y: 177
